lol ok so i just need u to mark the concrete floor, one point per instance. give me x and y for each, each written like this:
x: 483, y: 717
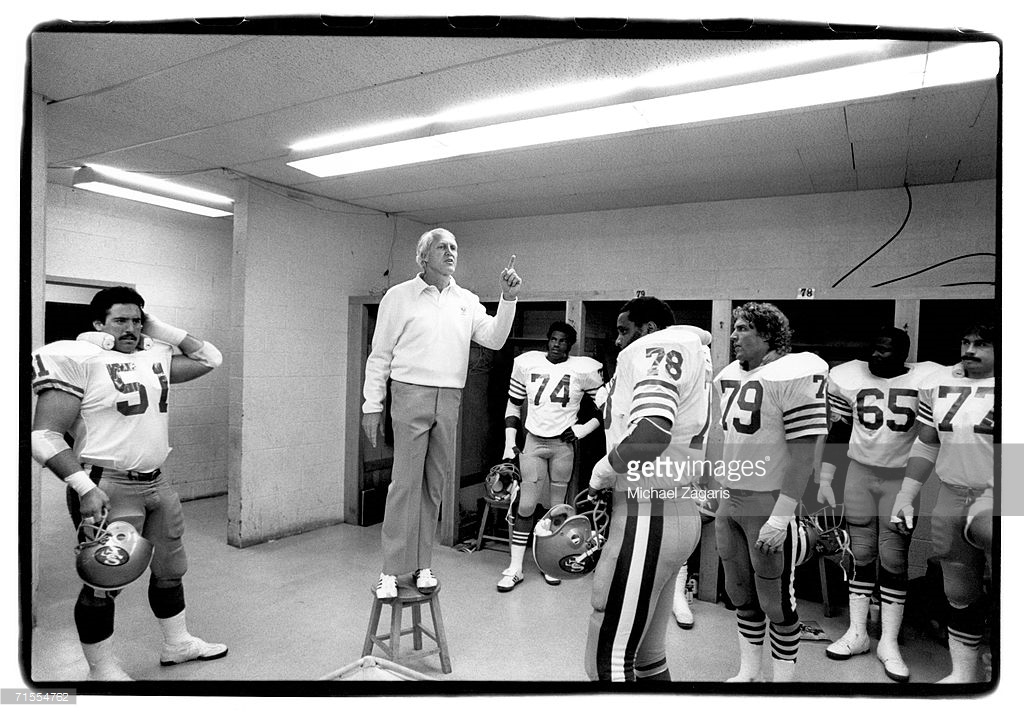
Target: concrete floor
x: 296, y: 609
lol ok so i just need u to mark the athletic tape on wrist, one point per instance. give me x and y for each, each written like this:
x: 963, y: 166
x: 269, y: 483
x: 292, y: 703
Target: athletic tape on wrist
x: 785, y: 508
x: 603, y: 475
x: 80, y: 482
x: 827, y: 473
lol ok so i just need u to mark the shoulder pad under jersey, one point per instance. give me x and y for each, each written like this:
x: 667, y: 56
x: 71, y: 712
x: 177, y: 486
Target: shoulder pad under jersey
x: 74, y: 350
x: 848, y: 374
x: 793, y: 366
x: 584, y: 364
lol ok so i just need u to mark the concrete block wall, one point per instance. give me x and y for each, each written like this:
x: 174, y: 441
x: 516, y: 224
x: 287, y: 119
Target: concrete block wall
x: 181, y: 264
x: 767, y: 247
x: 295, y: 266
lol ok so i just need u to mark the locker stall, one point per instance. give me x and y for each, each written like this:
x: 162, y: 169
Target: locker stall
x: 838, y: 330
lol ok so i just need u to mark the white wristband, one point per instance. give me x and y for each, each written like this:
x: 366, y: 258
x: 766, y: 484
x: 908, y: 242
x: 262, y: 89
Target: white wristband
x: 80, y: 482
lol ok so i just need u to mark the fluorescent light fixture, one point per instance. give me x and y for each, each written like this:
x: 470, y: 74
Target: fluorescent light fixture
x: 151, y: 190
x: 590, y: 91
x: 964, y: 63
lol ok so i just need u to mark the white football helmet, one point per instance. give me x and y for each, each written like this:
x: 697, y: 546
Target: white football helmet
x: 112, y: 555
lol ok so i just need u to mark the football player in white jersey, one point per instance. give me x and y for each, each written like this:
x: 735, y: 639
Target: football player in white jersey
x: 657, y: 414
x: 773, y: 411
x: 551, y: 385
x: 956, y: 420
x: 873, y: 411
x: 109, y: 390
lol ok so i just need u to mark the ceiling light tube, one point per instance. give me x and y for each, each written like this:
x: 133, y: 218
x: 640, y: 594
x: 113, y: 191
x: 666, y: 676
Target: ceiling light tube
x: 134, y: 186
x: 967, y: 63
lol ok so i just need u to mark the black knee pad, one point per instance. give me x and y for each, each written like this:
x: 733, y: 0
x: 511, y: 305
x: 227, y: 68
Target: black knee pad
x: 94, y: 615
x: 166, y: 599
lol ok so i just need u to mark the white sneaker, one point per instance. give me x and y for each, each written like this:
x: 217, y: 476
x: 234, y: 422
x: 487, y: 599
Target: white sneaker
x: 189, y: 650
x: 510, y: 579
x: 387, y: 586
x: 426, y: 582
x: 848, y: 645
x: 553, y: 581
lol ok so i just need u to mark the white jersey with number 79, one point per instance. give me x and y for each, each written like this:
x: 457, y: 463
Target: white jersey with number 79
x: 765, y: 407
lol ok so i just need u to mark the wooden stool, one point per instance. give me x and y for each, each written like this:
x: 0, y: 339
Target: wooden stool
x: 390, y: 642
x: 481, y: 535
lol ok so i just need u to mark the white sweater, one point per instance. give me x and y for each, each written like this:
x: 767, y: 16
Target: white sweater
x: 422, y: 337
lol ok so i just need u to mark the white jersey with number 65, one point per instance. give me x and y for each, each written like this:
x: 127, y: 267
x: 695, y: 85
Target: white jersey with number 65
x: 882, y: 411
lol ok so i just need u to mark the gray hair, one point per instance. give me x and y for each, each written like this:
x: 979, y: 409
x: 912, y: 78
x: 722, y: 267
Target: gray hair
x: 427, y: 240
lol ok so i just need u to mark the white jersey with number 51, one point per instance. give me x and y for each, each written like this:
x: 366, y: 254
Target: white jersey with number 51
x: 123, y: 420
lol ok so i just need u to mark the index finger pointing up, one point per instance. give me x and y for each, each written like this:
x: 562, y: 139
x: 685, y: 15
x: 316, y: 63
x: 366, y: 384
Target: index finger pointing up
x: 511, y: 262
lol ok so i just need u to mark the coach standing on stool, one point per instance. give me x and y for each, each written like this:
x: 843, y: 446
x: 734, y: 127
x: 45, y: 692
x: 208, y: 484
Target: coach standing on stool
x: 424, y: 327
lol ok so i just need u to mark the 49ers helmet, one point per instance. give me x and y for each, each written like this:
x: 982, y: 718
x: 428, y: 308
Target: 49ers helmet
x: 502, y: 481
x: 823, y: 534
x: 567, y: 542
x: 112, y: 555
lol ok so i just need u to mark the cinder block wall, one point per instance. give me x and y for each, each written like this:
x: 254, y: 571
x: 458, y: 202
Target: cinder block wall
x: 181, y: 264
x: 295, y: 267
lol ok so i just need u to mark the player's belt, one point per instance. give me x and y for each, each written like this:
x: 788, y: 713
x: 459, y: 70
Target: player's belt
x: 968, y: 494
x: 96, y: 472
